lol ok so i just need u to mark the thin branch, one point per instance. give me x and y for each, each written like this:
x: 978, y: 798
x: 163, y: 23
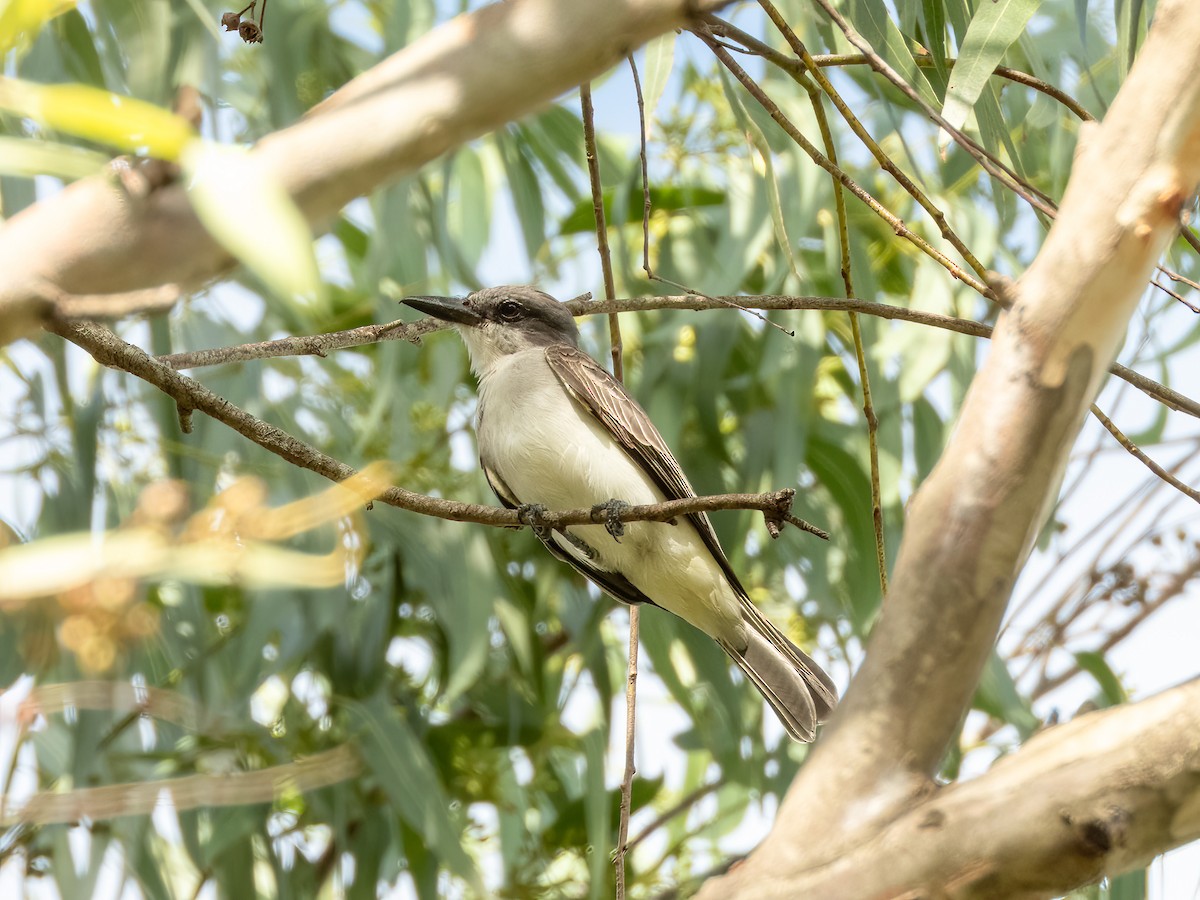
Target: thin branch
x: 699, y: 302
x: 685, y: 803
x: 860, y: 354
x: 897, y: 225
x: 797, y: 66
x: 927, y: 62
x: 804, y: 65
x: 1138, y: 454
x: 593, y: 165
x: 614, y: 329
x: 989, y: 163
x: 1174, y: 588
x: 306, y: 345
x: 109, y: 350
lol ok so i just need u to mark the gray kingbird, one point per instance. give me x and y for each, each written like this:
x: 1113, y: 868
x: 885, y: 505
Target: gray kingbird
x: 557, y: 431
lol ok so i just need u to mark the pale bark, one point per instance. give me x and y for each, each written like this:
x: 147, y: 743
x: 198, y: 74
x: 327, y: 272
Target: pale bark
x: 971, y: 525
x: 459, y: 81
x: 1099, y: 795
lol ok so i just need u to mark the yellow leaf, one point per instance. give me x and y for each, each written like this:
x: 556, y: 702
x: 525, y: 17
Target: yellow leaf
x: 23, y: 19
x: 122, y: 122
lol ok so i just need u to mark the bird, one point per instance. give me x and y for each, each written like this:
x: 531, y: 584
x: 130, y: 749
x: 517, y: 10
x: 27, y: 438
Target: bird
x: 556, y: 431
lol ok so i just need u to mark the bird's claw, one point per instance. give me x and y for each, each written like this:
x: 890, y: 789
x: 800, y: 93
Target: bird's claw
x: 610, y: 513
x: 533, y: 514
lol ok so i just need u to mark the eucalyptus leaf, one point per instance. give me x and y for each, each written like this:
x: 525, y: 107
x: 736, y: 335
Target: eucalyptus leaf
x: 250, y: 214
x: 994, y: 28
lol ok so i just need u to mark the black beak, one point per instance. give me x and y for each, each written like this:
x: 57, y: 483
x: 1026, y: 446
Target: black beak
x: 448, y: 309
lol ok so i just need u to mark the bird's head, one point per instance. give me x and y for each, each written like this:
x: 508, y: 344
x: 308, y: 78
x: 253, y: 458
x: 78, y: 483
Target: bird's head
x: 499, y: 321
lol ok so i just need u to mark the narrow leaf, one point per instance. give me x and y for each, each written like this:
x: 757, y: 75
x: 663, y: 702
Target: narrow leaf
x: 20, y: 20
x: 659, y: 60
x: 26, y: 157
x: 997, y: 695
x: 993, y: 29
x: 250, y: 214
x: 122, y: 122
x: 1111, y: 689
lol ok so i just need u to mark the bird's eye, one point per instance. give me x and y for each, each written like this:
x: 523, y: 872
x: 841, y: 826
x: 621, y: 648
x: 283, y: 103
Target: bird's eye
x: 509, y: 310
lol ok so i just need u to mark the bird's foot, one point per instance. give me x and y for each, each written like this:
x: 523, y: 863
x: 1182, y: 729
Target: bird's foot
x: 533, y: 514
x: 609, y: 512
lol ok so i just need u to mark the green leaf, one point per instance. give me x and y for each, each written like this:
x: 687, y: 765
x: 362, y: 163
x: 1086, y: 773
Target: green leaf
x: 658, y: 62
x: 1111, y: 690
x: 671, y: 198
x: 401, y: 766
x: 871, y: 19
x: 1081, y: 16
x: 1129, y: 32
x: 369, y: 851
x: 933, y: 21
x: 1128, y: 886
x: 248, y: 212
x: 27, y: 157
x: 525, y: 190
x: 993, y: 29
x: 997, y: 695
x: 599, y: 823
x: 468, y: 212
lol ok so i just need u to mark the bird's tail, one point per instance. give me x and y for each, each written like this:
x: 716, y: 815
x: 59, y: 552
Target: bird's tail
x: 799, y: 691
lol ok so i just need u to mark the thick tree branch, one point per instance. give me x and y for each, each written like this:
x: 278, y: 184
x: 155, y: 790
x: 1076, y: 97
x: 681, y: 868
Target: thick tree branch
x: 1098, y: 796
x: 972, y: 523
x: 464, y: 79
x: 109, y: 350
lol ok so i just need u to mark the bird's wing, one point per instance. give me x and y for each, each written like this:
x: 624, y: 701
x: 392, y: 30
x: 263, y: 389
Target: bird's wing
x: 612, y: 583
x: 614, y: 407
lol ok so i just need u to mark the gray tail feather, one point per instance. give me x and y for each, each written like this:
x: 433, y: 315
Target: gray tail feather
x: 799, y: 691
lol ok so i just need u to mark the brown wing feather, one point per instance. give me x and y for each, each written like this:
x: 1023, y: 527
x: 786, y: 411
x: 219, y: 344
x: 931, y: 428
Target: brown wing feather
x: 623, y: 416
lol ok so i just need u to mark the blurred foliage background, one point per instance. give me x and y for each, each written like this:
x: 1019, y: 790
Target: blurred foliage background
x: 480, y: 682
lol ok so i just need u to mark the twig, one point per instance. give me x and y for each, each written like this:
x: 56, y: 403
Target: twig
x: 1138, y: 454
x: 109, y: 350
x: 306, y: 345
x: 1002, y: 173
x: 1174, y: 588
x: 593, y: 163
x: 614, y: 328
x: 847, y: 275
x: 831, y: 60
x: 896, y: 224
x: 796, y: 66
x: 805, y: 64
x: 698, y: 302
x: 686, y: 803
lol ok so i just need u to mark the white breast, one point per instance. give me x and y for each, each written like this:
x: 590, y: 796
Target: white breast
x: 550, y: 450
